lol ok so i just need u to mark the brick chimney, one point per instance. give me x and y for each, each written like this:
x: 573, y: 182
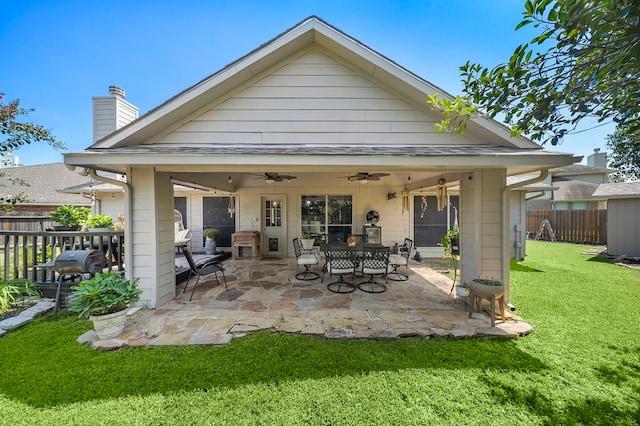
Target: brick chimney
x: 111, y: 113
x: 597, y: 159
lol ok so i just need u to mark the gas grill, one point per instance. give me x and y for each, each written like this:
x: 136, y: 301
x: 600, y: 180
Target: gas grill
x: 74, y: 263
x: 80, y: 262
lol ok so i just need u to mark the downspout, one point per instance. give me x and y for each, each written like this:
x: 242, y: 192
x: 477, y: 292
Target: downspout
x: 128, y: 255
x: 506, y: 255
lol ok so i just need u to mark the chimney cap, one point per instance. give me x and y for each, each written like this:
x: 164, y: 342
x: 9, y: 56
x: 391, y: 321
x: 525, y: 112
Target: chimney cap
x: 596, y: 150
x: 116, y: 91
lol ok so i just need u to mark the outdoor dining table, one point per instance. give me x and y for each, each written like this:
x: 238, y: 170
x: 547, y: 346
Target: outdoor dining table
x: 359, y: 248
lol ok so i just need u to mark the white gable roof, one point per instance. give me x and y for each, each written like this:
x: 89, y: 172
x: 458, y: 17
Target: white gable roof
x: 192, y: 124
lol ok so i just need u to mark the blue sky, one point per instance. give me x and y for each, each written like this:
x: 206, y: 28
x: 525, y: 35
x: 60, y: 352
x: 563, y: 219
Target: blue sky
x: 57, y: 55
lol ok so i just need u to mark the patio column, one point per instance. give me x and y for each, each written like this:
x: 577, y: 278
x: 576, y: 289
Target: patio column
x: 481, y: 224
x: 152, y: 235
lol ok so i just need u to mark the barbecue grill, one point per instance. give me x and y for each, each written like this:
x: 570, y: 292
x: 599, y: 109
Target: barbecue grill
x: 80, y: 261
x: 72, y: 263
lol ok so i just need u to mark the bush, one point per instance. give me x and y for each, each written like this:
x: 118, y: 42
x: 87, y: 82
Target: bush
x: 12, y: 289
x: 68, y: 215
x: 99, y: 221
x: 104, y: 294
x: 211, y: 233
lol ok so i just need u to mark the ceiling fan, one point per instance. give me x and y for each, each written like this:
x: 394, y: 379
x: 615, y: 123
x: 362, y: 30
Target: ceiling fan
x: 275, y: 177
x: 364, y: 177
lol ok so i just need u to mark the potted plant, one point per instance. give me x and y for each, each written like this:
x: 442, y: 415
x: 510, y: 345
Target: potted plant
x: 99, y: 223
x: 307, y: 241
x: 105, y: 299
x: 450, y: 242
x: 462, y: 290
x: 487, y: 287
x: 211, y: 235
x: 70, y: 218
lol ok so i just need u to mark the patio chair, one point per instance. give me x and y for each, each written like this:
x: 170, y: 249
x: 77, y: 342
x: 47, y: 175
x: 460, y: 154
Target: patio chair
x: 398, y: 260
x: 375, y: 261
x: 202, y: 270
x: 306, y: 260
x: 340, y: 262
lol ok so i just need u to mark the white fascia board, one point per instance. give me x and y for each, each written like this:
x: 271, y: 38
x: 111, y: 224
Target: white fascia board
x: 199, y: 162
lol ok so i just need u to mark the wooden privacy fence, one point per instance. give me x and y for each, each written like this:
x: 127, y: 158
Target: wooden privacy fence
x: 571, y: 226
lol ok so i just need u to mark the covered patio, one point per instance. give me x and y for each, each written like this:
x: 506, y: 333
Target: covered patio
x: 265, y: 295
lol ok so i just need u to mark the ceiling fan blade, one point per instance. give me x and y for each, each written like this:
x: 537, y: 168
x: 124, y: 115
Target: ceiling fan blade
x: 378, y: 175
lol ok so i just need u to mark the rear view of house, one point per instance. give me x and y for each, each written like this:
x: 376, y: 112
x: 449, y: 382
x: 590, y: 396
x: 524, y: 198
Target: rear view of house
x: 312, y: 132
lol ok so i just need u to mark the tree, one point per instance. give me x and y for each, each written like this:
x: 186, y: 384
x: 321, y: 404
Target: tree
x: 14, y: 134
x: 624, y: 155
x: 589, y: 70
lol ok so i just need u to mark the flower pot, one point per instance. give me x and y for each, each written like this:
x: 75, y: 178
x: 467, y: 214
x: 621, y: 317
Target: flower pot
x: 462, y: 291
x: 307, y: 244
x: 486, y: 291
x: 97, y: 230
x: 66, y: 228
x: 110, y: 325
x: 209, y: 246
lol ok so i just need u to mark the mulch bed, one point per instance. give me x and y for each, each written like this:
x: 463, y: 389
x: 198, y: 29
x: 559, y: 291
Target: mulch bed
x: 16, y: 308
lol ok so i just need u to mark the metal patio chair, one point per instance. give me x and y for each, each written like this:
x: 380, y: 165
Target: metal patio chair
x: 202, y: 270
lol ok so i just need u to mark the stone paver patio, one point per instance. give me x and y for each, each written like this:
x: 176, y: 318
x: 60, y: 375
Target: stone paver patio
x: 265, y: 295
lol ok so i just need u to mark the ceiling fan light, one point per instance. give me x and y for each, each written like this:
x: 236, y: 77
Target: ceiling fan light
x: 270, y: 180
x: 363, y: 181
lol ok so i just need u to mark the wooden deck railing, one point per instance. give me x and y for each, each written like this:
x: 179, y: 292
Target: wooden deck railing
x: 22, y: 251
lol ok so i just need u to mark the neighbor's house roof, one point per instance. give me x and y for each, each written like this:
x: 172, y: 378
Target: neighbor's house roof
x: 618, y: 190
x: 579, y: 169
x: 573, y: 190
x: 172, y: 138
x: 43, y: 181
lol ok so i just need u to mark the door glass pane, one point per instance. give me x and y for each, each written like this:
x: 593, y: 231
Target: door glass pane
x: 273, y: 213
x: 215, y: 214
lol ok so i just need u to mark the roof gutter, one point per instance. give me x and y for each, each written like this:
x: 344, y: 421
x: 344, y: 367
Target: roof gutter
x: 506, y: 255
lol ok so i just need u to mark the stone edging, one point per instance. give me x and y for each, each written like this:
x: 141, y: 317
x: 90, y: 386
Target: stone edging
x: 25, y: 316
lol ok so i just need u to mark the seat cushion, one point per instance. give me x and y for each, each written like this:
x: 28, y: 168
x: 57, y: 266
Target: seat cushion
x: 374, y: 271
x: 396, y: 259
x: 307, y: 259
x: 341, y: 270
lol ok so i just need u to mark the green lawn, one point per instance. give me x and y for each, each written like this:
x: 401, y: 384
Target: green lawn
x: 580, y: 366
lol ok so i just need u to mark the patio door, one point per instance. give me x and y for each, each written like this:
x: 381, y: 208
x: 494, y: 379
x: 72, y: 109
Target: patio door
x: 429, y: 224
x: 273, y: 230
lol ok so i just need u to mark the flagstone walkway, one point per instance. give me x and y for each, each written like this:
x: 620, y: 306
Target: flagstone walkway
x: 265, y: 295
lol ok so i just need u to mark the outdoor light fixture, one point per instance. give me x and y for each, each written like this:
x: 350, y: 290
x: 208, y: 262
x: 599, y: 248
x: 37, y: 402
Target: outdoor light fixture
x: 230, y: 180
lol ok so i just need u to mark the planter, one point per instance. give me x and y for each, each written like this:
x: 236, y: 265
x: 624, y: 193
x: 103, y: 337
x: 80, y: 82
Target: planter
x: 209, y: 246
x: 66, y: 228
x: 486, y: 291
x: 97, y: 230
x: 110, y: 325
x: 462, y: 291
x: 307, y: 244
